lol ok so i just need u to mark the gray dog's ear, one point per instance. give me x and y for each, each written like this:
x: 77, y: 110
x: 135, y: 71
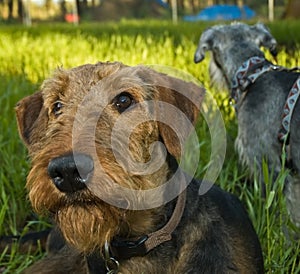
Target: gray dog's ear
x: 263, y: 38
x: 206, y: 43
x: 27, y: 112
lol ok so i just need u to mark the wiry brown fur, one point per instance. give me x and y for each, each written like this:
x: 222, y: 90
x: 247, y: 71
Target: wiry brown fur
x: 85, y: 221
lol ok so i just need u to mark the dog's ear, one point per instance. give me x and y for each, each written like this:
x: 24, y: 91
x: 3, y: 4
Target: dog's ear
x: 206, y: 43
x: 178, y: 107
x: 185, y: 97
x: 27, y: 112
x: 263, y: 38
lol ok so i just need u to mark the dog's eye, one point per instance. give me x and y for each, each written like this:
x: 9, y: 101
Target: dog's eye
x: 123, y: 101
x: 57, y: 108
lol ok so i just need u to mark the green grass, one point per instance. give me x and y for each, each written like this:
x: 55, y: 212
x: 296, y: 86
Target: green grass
x: 28, y: 55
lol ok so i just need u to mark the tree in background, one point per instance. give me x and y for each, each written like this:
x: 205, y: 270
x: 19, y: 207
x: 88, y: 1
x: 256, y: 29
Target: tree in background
x: 116, y: 9
x: 292, y: 9
x: 10, y: 5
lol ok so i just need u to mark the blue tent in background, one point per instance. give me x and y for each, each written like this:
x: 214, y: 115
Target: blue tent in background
x: 222, y: 12
x: 162, y: 3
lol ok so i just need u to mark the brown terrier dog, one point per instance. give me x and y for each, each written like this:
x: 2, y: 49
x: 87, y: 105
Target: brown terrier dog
x: 103, y: 140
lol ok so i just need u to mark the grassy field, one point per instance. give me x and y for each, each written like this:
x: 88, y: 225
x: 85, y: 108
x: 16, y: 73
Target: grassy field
x: 27, y: 56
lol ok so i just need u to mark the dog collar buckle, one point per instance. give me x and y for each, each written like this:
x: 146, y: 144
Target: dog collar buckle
x: 130, y: 248
x: 111, y: 264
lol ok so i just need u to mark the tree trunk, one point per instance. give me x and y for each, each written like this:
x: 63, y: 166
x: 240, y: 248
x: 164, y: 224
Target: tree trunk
x: 292, y: 9
x: 63, y: 9
x: 240, y: 3
x: 10, y: 9
x: 20, y: 9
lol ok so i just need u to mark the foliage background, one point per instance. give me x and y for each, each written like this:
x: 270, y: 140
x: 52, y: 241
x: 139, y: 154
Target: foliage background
x: 29, y: 55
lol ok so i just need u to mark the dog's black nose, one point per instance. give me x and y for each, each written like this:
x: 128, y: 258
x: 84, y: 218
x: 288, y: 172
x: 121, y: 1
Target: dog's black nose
x: 71, y: 172
x: 198, y: 57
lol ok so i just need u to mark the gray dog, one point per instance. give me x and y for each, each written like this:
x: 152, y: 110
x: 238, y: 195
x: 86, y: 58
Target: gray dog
x: 265, y: 97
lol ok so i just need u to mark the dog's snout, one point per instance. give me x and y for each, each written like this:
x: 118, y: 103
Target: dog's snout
x: 198, y: 57
x: 71, y: 172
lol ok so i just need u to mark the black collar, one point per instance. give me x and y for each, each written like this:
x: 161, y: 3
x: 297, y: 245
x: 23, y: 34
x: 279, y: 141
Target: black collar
x: 123, y: 249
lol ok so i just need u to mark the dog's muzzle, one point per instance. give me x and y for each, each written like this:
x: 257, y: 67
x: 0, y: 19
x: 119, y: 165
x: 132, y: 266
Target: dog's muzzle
x: 198, y: 58
x: 71, y: 172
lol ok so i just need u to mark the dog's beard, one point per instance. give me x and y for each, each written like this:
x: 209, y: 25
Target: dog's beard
x: 217, y: 77
x: 85, y: 221
x: 87, y: 227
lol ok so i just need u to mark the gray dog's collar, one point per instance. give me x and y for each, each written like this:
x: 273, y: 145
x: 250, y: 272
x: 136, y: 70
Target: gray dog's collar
x: 288, y: 110
x: 247, y: 74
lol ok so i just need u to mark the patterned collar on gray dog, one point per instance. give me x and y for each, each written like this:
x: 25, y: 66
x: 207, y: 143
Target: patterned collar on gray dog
x: 288, y: 110
x: 247, y: 75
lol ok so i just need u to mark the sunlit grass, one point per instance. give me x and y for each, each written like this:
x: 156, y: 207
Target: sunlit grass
x: 27, y: 56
